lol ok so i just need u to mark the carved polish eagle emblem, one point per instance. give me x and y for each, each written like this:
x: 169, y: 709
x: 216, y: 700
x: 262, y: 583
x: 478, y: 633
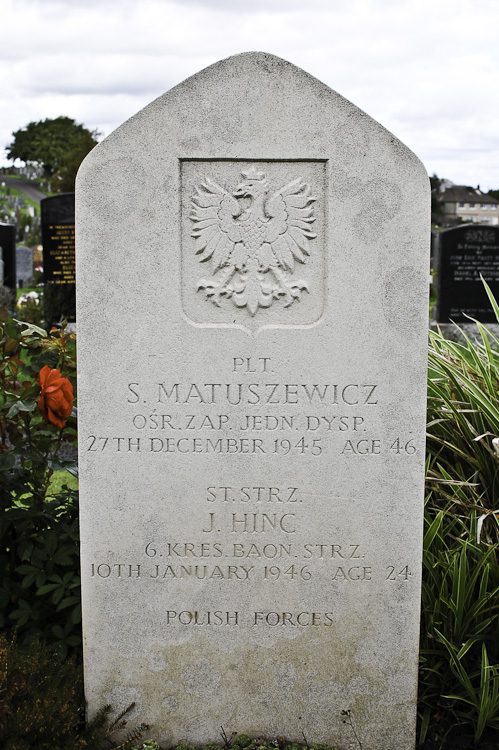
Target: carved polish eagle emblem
x: 252, y: 238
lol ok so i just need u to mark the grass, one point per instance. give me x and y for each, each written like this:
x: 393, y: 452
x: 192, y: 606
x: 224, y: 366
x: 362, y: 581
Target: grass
x: 40, y: 184
x: 14, y: 192
x: 25, y: 219
x: 59, y: 479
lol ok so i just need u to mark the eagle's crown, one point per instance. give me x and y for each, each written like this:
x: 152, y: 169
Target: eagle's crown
x: 252, y: 179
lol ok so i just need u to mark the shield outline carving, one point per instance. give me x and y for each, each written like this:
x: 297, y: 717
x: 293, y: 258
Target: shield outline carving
x: 199, y: 311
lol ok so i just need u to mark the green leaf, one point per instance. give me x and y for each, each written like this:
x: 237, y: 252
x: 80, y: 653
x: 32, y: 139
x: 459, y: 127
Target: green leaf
x: 68, y: 601
x: 21, y: 406
x: 491, y: 297
x: 30, y: 328
x: 58, y: 632
x: 24, y: 549
x: 57, y: 595
x: 7, y: 461
x: 42, y: 590
x: 433, y: 530
x: 72, y: 469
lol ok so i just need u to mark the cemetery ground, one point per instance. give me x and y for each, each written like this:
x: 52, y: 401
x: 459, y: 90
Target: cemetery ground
x: 41, y: 693
x: 34, y: 189
x: 20, y: 202
x: 341, y: 667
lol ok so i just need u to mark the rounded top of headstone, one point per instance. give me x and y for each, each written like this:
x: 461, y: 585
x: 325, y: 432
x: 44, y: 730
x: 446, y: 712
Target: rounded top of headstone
x: 257, y: 102
x: 253, y: 60
x: 470, y: 225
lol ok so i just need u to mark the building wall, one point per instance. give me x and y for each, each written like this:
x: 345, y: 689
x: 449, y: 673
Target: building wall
x: 481, y: 213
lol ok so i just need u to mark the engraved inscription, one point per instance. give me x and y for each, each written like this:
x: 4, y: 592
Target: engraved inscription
x: 62, y: 254
x: 252, y: 546
x: 310, y: 419
x: 480, y: 235
x: 253, y: 237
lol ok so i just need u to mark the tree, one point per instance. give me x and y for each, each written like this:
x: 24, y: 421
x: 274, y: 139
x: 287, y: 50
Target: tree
x: 71, y: 161
x: 436, y: 206
x: 435, y: 181
x: 48, y: 142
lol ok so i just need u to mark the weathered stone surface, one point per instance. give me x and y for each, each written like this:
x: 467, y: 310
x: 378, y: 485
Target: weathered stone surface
x: 252, y: 308
x: 24, y: 265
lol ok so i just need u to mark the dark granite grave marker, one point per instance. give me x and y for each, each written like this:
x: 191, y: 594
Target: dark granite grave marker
x: 8, y: 245
x: 464, y: 254
x: 58, y: 239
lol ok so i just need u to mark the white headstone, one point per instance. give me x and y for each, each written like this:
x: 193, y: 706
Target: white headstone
x: 252, y: 265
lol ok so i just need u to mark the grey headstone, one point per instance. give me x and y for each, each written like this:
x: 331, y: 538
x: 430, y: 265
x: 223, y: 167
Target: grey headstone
x: 252, y: 265
x: 24, y: 265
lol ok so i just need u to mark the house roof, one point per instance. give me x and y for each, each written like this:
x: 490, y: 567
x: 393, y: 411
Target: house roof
x: 465, y: 194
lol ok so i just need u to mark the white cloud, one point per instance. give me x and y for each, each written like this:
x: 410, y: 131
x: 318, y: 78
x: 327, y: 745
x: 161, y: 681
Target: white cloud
x: 426, y: 70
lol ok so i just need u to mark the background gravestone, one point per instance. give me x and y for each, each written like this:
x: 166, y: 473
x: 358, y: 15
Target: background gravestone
x: 24, y: 266
x: 252, y: 376
x: 8, y: 245
x: 464, y: 254
x: 58, y: 239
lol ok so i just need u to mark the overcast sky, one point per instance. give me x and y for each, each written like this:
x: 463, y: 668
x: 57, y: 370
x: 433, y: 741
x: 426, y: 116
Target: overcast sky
x: 426, y: 69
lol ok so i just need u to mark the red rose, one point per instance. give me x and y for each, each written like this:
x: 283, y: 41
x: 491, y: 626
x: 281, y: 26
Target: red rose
x: 56, y: 398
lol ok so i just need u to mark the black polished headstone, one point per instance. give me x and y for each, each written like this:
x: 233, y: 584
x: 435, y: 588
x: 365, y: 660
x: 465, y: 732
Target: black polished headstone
x: 8, y: 245
x: 465, y: 254
x: 58, y: 239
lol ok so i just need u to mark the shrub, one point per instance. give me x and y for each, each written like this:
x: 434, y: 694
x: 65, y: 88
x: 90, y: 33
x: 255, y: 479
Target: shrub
x: 30, y: 307
x: 7, y: 297
x: 59, y: 300
x: 42, y: 704
x: 39, y: 553
x: 459, y: 681
x: 41, y: 698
